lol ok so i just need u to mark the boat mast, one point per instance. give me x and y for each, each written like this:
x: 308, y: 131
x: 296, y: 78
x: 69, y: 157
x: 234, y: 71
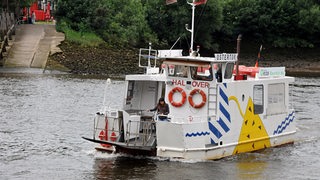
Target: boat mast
x: 192, y: 26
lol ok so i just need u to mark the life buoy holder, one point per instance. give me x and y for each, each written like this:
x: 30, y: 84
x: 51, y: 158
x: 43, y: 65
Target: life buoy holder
x: 113, y: 136
x: 203, y: 95
x: 103, y: 135
x: 183, y: 94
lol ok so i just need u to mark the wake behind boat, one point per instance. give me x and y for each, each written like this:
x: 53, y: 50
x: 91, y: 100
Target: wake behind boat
x: 217, y: 108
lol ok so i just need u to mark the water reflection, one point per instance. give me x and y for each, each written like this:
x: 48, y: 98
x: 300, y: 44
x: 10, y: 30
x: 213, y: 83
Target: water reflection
x: 251, y: 165
x: 124, y: 167
x: 251, y: 170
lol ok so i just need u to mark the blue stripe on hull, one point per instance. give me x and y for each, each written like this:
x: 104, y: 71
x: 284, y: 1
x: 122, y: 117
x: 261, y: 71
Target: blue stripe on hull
x: 224, y: 116
x: 215, y: 131
x: 223, y: 125
x: 224, y: 112
x: 212, y: 141
x: 224, y: 96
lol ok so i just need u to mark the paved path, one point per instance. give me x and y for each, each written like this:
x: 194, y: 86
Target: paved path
x: 32, y: 45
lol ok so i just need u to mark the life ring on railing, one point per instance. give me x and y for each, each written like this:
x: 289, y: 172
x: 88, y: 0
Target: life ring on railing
x: 183, y: 94
x: 113, y: 136
x: 103, y: 135
x: 203, y: 95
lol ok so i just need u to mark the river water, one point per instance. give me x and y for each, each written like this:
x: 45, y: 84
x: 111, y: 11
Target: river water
x: 44, y: 116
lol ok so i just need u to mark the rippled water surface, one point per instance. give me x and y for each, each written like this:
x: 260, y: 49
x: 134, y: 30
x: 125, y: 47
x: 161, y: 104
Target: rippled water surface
x: 43, y: 117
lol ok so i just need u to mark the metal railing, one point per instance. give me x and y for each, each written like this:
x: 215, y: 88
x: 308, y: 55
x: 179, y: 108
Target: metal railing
x: 143, y: 133
x: 7, y: 29
x: 97, y: 129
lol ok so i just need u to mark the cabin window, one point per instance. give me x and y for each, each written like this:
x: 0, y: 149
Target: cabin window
x: 218, y: 72
x: 228, y: 71
x: 130, y: 92
x: 201, y: 73
x: 258, y: 99
x: 276, y: 98
x: 178, y: 71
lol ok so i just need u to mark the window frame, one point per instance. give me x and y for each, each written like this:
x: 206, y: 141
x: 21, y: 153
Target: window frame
x: 228, y: 72
x: 276, y: 98
x: 258, y: 102
x: 195, y: 76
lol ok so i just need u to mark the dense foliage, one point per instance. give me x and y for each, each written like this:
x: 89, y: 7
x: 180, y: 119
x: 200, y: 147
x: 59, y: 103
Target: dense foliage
x: 118, y: 22
x: 282, y: 23
x: 14, y: 5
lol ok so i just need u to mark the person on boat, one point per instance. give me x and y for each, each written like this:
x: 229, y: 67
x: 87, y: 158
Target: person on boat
x: 219, y: 74
x: 162, y: 109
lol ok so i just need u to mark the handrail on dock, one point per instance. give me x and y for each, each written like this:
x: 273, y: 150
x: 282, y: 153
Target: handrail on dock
x: 7, y: 29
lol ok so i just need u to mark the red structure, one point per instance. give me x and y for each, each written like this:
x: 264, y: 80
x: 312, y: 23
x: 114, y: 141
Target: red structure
x: 42, y: 10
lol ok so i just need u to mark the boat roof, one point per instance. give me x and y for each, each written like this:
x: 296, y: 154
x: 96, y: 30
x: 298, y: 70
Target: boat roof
x: 146, y: 77
x: 195, y: 59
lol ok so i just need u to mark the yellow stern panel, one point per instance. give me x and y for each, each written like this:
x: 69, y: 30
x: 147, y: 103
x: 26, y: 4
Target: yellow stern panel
x: 253, y: 135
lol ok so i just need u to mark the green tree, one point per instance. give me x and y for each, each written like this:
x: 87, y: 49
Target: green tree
x: 248, y: 17
x: 15, y: 5
x: 125, y: 23
x: 309, y: 21
x: 118, y: 22
x: 282, y: 23
x: 75, y: 13
x: 23, y: 3
x: 168, y: 21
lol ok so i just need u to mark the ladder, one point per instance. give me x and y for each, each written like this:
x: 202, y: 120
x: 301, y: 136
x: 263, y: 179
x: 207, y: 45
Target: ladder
x: 212, y: 101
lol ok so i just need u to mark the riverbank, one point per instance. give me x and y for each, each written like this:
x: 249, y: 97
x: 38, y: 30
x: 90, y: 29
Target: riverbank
x: 104, y: 60
x: 114, y: 62
x: 298, y: 61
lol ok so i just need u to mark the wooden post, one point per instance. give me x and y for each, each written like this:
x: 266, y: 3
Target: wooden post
x: 13, y: 30
x: 2, y: 26
x: 238, y: 52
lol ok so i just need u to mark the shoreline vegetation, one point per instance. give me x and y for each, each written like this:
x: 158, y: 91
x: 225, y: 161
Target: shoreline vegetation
x: 117, y: 62
x: 95, y: 30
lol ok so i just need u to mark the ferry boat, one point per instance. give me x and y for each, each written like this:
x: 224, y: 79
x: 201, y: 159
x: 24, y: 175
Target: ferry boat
x: 217, y: 108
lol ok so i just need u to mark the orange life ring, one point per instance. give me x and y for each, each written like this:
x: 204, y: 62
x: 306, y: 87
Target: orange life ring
x: 103, y: 135
x: 113, y: 136
x: 183, y: 94
x: 203, y: 95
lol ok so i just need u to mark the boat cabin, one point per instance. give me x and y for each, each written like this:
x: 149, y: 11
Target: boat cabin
x: 177, y: 78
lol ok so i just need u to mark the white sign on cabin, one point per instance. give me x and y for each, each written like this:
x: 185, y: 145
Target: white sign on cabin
x: 271, y: 72
x: 226, y: 56
x: 170, y: 53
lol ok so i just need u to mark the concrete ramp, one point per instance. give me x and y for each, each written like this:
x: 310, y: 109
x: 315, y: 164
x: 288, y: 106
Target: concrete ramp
x: 32, y: 45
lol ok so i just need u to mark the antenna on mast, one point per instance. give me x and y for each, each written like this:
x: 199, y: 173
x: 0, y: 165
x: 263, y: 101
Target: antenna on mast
x: 193, y: 5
